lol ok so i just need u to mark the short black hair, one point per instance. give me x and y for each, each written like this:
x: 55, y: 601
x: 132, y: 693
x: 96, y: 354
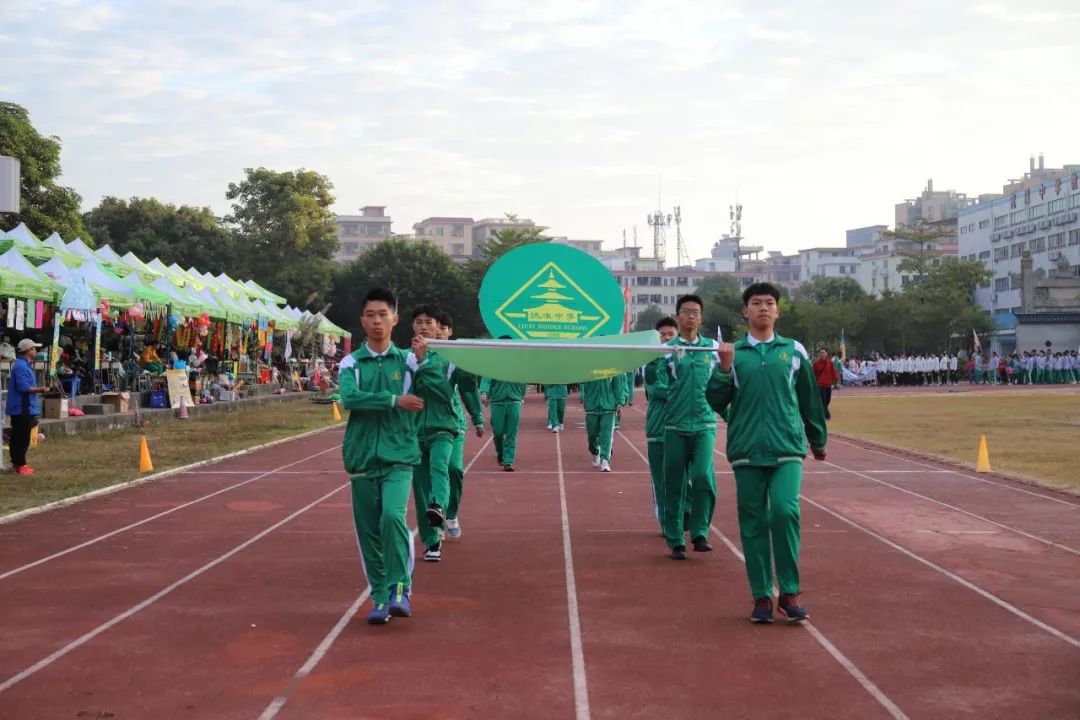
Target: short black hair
x: 432, y: 311
x: 379, y: 295
x: 666, y: 322
x: 824, y: 350
x: 688, y: 298
x: 446, y: 320
x: 760, y: 289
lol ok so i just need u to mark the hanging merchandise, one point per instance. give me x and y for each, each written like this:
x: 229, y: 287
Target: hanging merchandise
x: 137, y: 312
x: 39, y: 313
x: 30, y: 306
x: 288, y: 344
x: 20, y: 315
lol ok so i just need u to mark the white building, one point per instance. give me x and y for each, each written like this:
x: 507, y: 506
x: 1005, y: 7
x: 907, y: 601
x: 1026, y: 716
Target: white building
x: 452, y: 235
x: 663, y: 288
x: 879, y: 266
x: 828, y: 262
x: 357, y: 233
x: 1041, y: 214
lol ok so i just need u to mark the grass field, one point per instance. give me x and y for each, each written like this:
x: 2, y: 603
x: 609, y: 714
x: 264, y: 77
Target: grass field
x: 72, y: 465
x: 1030, y: 435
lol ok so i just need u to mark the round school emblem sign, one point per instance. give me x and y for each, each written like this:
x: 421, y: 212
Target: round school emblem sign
x: 550, y: 291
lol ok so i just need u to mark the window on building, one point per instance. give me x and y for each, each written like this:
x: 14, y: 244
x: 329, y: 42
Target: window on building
x: 983, y: 224
x: 1016, y: 250
x: 1037, y: 245
x: 1001, y: 284
x: 1018, y: 216
x: 458, y: 231
x: 656, y: 281
x: 458, y: 248
x: 1014, y: 282
x: 1074, y: 237
x: 843, y: 269
x: 375, y: 230
x: 642, y: 299
x: 1037, y: 211
x: 1059, y: 205
x: 1001, y: 253
x: 682, y: 282
x: 439, y: 230
x: 350, y: 248
x: 904, y: 280
x: 1056, y: 240
x: 1074, y: 200
x: 656, y: 299
x: 984, y: 255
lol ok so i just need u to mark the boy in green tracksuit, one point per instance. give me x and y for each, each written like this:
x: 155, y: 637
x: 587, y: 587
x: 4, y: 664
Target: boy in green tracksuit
x: 462, y: 399
x: 767, y: 383
x: 436, y: 383
x: 380, y: 450
x: 505, y: 400
x: 601, y: 397
x: 655, y: 419
x: 689, y: 433
x: 626, y: 395
x: 556, y: 402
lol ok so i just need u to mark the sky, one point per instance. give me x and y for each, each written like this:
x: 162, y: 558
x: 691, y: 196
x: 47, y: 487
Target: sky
x: 584, y: 115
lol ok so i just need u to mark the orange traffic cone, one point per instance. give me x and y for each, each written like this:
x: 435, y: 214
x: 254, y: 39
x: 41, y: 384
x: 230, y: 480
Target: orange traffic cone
x: 144, y: 457
x: 33, y: 437
x: 183, y: 408
x: 983, y: 464
x: 337, y: 413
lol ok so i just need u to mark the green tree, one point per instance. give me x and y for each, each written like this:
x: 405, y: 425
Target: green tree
x: 722, y: 297
x: 188, y: 236
x: 284, y: 232
x: 417, y: 272
x: 46, y: 207
x: 822, y: 290
x: 647, y: 318
x: 924, y: 237
x: 940, y: 304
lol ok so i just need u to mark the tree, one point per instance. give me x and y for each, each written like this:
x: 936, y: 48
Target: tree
x: 822, y: 290
x: 647, y: 318
x: 722, y: 296
x: 417, y: 272
x: 922, y: 236
x: 187, y: 236
x: 284, y: 232
x: 46, y: 206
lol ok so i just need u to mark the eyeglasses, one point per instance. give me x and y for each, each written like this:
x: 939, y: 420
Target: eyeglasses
x: 690, y: 313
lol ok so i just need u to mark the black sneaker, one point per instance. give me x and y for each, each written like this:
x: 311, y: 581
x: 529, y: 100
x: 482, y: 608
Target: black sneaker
x: 791, y: 605
x: 433, y: 553
x: 678, y: 552
x: 762, y: 611
x: 436, y: 516
x: 508, y: 468
x: 701, y: 545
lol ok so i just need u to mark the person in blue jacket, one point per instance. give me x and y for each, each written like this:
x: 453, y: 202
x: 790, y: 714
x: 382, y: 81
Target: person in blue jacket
x: 23, y: 404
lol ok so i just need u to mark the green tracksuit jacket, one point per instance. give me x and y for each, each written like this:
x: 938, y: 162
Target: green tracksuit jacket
x: 379, y: 436
x: 655, y: 417
x: 555, y: 392
x: 602, y: 396
x: 774, y: 401
x: 680, y: 385
x: 499, y: 391
x: 436, y: 381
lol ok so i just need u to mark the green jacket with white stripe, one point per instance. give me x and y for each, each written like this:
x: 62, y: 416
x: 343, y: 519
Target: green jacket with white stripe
x: 379, y: 436
x: 680, y: 384
x: 436, y: 382
x: 772, y: 403
x: 602, y: 396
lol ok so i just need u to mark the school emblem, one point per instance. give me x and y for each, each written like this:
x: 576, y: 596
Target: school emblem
x: 784, y: 356
x: 549, y: 291
x: 396, y: 375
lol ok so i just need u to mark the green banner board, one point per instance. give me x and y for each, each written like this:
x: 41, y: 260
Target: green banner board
x: 550, y: 291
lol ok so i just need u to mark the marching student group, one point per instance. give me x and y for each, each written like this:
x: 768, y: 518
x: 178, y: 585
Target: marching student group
x: 408, y: 413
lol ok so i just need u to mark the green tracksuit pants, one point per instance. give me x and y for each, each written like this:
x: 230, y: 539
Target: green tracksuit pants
x: 656, y: 470
x: 431, y: 481
x: 556, y: 412
x: 600, y: 427
x: 457, y: 475
x: 689, y: 484
x: 768, y: 502
x: 505, y: 419
x: 386, y: 549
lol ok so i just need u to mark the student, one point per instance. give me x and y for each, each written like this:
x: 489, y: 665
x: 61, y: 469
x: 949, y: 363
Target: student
x: 954, y: 364
x: 436, y: 384
x: 655, y: 417
x: 505, y: 400
x: 689, y: 433
x: 825, y: 376
x: 463, y: 399
x: 380, y: 450
x: 23, y: 404
x: 556, y: 402
x: 601, y: 398
x: 766, y: 383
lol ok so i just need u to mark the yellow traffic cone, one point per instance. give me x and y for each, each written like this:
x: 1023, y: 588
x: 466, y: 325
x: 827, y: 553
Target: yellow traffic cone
x: 144, y: 457
x: 337, y: 413
x: 983, y: 465
x: 33, y: 437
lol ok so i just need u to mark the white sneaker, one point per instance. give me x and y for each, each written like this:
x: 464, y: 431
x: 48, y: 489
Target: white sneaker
x: 596, y: 461
x: 605, y: 466
x: 453, y: 528
x: 551, y: 428
x: 559, y: 429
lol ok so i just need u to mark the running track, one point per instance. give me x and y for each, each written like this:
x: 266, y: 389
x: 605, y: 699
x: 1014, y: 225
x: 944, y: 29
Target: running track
x: 234, y: 591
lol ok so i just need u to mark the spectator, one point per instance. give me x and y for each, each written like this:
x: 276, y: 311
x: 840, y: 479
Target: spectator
x: 23, y: 404
x: 827, y: 379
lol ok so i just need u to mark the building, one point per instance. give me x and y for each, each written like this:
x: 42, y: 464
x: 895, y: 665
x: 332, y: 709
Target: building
x: 782, y: 270
x: 357, y: 233
x: 1049, y: 317
x: 1040, y: 216
x: 452, y: 235
x: 827, y: 262
x: 663, y: 288
x: 865, y: 236
x: 932, y: 205
x: 879, y: 266
x: 482, y: 230
x: 592, y: 247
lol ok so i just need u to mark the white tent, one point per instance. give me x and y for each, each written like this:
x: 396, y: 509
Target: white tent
x: 57, y: 270
x: 23, y: 236
x: 14, y: 260
x: 78, y: 247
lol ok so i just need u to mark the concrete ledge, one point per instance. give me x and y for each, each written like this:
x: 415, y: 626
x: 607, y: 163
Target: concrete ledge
x: 101, y: 423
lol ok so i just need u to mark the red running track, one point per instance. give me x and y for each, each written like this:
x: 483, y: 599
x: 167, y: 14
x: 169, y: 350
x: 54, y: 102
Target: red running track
x: 234, y: 591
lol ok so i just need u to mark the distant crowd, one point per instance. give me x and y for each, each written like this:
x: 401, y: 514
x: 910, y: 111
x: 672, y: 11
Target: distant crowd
x: 1031, y: 367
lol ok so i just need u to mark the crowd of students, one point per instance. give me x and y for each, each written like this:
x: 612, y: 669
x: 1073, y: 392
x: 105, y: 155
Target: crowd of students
x: 1030, y: 367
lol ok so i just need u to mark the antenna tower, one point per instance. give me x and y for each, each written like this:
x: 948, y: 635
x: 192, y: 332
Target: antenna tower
x: 735, y: 212
x: 659, y: 222
x: 680, y: 247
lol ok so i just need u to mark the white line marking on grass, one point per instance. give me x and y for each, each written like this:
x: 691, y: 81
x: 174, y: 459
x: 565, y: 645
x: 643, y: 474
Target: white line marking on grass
x: 87, y: 637
x: 323, y: 647
x: 12, y: 517
x: 958, y: 473
x: 951, y: 575
x: 162, y: 514
x: 873, y: 690
x: 581, y: 689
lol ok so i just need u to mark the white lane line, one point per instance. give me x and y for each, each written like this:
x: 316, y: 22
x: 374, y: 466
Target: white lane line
x: 867, y: 684
x: 323, y: 647
x: 125, y: 528
x: 958, y: 473
x: 954, y: 508
x: 581, y: 689
x: 79, y: 642
x: 951, y: 575
x: 12, y: 517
